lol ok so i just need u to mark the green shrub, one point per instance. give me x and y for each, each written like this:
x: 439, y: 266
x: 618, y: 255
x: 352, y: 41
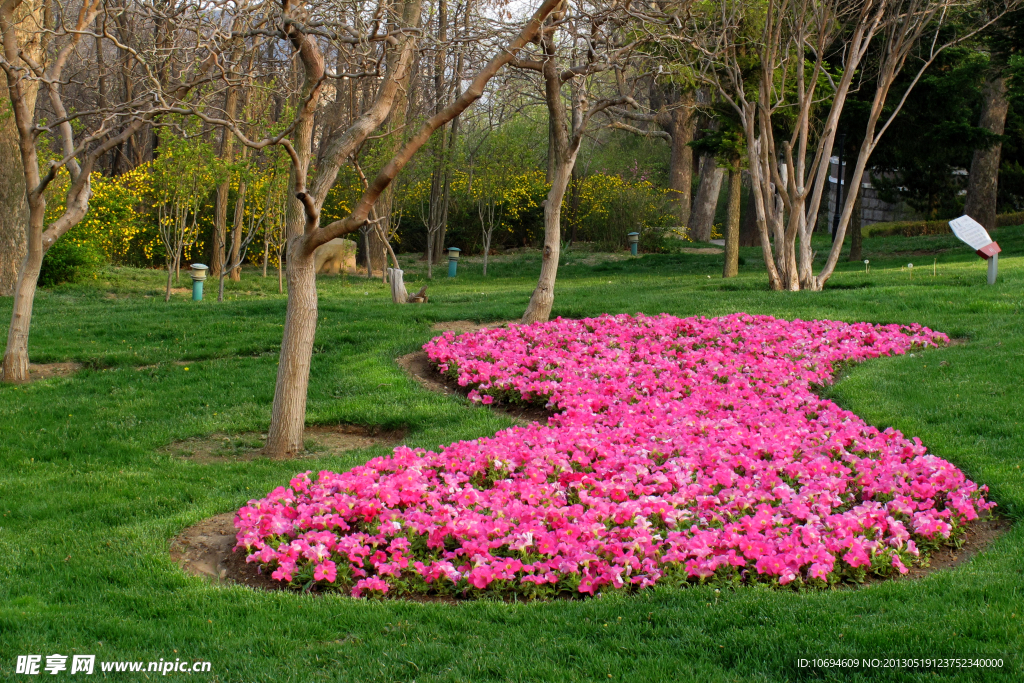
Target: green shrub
x: 921, y: 227
x: 69, y: 261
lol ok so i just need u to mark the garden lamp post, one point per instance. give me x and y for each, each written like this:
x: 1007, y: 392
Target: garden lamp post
x: 198, y: 276
x: 453, y: 260
x: 634, y: 238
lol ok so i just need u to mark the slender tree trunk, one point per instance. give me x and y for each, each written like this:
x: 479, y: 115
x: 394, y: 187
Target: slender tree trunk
x: 220, y: 209
x: 983, y: 181
x: 703, y: 216
x: 732, y: 223
x: 286, y: 430
x: 266, y: 250
x: 543, y: 297
x: 856, y: 234
x: 236, y: 234
x: 562, y: 158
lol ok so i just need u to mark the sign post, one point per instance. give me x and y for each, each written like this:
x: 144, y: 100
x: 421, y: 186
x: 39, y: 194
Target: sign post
x: 973, y: 234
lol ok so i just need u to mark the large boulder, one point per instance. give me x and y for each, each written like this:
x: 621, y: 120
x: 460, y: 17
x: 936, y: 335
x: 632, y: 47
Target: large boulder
x: 336, y: 256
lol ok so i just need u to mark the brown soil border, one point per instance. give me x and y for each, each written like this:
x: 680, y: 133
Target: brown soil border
x: 40, y: 371
x: 219, y: 447
x: 418, y: 366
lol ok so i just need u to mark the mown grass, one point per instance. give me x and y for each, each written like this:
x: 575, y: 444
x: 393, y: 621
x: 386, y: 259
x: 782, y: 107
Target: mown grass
x: 89, y: 500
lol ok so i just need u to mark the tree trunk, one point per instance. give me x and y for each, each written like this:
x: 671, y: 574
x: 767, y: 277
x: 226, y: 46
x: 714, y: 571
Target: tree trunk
x: 856, y: 236
x: 289, y: 411
x: 13, y: 205
x: 543, y: 298
x: 703, y: 217
x: 220, y: 209
x: 680, y: 168
x: 732, y: 223
x: 748, y: 222
x: 236, y: 233
x: 15, y: 361
x: 983, y: 181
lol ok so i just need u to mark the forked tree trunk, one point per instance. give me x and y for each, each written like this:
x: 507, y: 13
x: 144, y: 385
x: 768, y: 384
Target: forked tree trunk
x: 983, y: 181
x: 286, y: 429
x: 732, y: 223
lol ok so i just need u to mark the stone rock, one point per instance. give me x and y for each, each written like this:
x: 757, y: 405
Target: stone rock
x: 336, y: 256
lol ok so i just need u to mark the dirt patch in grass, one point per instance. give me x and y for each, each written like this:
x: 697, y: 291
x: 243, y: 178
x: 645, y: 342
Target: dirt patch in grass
x: 463, y: 326
x: 598, y: 258
x: 419, y: 367
x: 206, y: 550
x: 38, y: 371
x: 320, y: 441
x: 700, y: 250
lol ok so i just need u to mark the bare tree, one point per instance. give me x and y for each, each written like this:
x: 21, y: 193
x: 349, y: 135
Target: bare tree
x: 792, y: 42
x: 395, y: 30
x: 579, y: 42
x: 82, y: 137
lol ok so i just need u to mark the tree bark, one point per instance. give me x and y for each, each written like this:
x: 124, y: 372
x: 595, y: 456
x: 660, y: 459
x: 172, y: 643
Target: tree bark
x: 680, y: 171
x: 13, y: 205
x: 748, y: 221
x: 286, y: 429
x: 856, y: 236
x: 15, y: 360
x: 983, y: 181
x: 732, y: 223
x: 703, y: 217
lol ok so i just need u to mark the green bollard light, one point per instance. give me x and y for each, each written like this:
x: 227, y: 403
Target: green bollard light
x: 634, y: 237
x: 198, y: 276
x: 453, y: 260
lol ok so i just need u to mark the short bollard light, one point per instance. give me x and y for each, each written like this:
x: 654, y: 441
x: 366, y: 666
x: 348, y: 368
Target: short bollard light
x: 453, y: 260
x: 198, y: 276
x: 634, y: 238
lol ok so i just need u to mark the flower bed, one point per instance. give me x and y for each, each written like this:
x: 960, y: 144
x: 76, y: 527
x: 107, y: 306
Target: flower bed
x: 683, y: 450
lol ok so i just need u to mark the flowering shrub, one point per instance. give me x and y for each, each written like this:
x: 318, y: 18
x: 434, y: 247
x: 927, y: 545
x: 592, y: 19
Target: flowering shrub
x: 682, y: 450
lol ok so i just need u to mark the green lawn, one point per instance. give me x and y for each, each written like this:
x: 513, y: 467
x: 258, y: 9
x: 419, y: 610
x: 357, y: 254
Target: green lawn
x: 89, y: 501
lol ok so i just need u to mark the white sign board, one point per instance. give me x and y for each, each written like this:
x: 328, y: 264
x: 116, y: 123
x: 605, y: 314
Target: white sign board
x: 971, y: 232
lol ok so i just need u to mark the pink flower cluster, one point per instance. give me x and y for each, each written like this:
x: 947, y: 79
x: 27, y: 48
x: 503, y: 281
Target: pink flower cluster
x: 681, y: 450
